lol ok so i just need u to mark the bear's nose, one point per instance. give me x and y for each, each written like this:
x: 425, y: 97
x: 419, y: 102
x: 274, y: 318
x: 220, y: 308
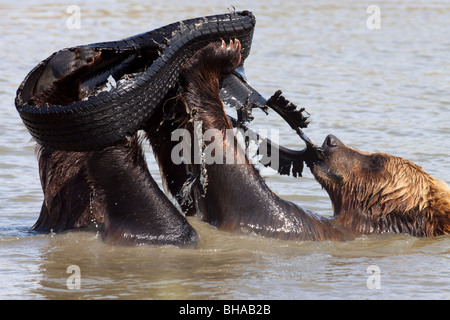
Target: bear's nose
x: 330, y: 142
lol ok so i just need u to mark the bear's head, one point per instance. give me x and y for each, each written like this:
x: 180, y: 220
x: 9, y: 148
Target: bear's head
x: 378, y: 192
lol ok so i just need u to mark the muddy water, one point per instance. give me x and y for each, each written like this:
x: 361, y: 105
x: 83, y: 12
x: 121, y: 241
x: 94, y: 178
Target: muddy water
x: 378, y: 90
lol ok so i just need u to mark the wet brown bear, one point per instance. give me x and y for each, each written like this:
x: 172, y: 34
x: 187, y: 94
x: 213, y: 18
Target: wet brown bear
x: 230, y: 194
x: 378, y: 192
x: 113, y: 186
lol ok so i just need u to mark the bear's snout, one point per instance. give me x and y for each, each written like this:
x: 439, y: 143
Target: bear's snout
x: 331, y: 142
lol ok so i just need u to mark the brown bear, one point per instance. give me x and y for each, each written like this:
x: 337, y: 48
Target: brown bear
x: 228, y: 194
x: 112, y: 186
x: 379, y: 193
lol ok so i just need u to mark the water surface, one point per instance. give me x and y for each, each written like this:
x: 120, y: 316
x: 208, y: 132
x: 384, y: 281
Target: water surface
x: 378, y: 90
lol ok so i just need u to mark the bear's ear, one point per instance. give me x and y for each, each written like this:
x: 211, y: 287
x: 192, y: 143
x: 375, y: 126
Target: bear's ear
x: 374, y: 163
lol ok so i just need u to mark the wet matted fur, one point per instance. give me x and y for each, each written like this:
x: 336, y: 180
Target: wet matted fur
x: 379, y: 192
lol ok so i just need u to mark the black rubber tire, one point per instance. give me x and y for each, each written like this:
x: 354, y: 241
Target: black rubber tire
x: 103, y: 119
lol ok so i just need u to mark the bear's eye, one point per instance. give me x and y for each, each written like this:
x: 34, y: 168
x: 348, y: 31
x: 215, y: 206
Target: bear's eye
x: 376, y: 163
